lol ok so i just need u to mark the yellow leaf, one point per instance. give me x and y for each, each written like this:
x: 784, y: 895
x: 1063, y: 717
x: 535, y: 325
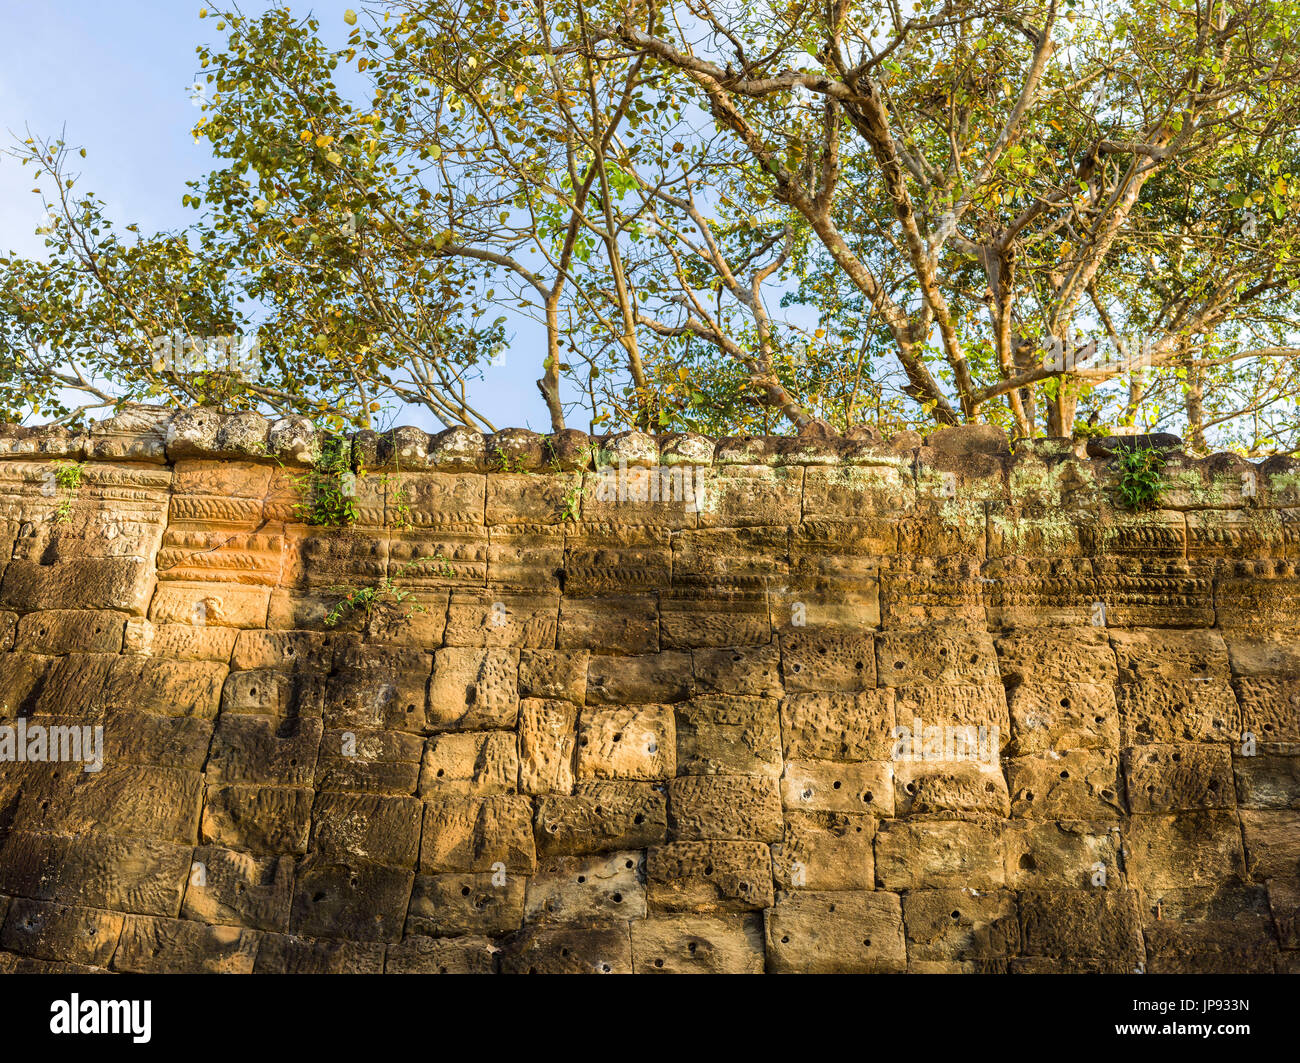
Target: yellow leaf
x: 350, y: 17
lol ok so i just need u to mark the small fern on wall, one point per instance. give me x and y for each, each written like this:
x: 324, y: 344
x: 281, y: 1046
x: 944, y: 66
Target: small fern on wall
x: 1141, y: 477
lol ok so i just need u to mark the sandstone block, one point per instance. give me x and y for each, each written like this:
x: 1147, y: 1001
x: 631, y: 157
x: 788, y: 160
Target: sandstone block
x: 836, y: 933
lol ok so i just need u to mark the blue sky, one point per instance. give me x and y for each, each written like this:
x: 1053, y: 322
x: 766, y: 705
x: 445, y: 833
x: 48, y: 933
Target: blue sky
x: 115, y: 77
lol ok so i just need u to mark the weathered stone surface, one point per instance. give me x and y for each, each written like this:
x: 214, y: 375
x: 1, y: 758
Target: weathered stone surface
x: 177, y: 946
x: 836, y: 933
x: 724, y: 808
x: 286, y: 695
x: 1209, y: 929
x: 547, y: 743
x: 288, y: 954
x: 95, y: 871
x: 826, y: 786
x: 264, y: 749
x: 822, y: 660
x: 474, y: 689
x: 657, y: 678
x: 546, y: 949
x: 1185, y: 849
x: 926, y: 786
x: 366, y: 828
x: 913, y: 853
x: 1198, y: 655
x: 70, y: 631
x: 1272, y: 844
x: 602, y: 816
x: 425, y: 955
x: 709, y: 877
x: 728, y: 736
x: 548, y: 674
x: 624, y: 626
x: 449, y: 904
x: 632, y: 743
x: 60, y: 932
x: 947, y: 700
x: 373, y: 761
x: 963, y: 705
x: 473, y: 833
x: 1270, y: 713
x: 239, y: 889
x: 960, y: 924
x: 101, y: 683
x: 1267, y: 781
x: 583, y: 889
x: 469, y: 764
x: 257, y: 819
x: 935, y: 657
x: 1063, y: 854
x: 126, y: 800
x: 1175, y: 778
x: 501, y: 619
x: 1079, y: 655
x: 1175, y: 710
x: 738, y: 496
x: 358, y: 902
x: 698, y: 944
x: 1055, y: 717
x: 1079, y: 784
x: 1082, y: 923
x: 825, y: 851
x: 841, y: 727
x: 753, y: 671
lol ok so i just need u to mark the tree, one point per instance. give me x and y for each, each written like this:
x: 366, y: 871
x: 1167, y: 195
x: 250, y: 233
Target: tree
x: 725, y: 216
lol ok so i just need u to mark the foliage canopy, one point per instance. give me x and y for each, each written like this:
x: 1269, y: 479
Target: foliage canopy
x: 722, y: 216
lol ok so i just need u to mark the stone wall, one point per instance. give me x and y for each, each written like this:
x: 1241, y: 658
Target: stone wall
x: 645, y: 733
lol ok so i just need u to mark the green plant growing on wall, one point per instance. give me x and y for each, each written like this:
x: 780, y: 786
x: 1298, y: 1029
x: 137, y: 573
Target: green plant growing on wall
x: 571, y: 503
x: 67, y: 478
x: 399, y: 501
x: 551, y: 456
x: 402, y: 503
x: 1141, y: 477
x: 330, y: 489
x: 507, y: 464
x: 387, y: 591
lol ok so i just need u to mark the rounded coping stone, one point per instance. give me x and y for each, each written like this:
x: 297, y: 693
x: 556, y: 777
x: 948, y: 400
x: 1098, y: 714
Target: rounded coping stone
x: 517, y: 450
x: 637, y: 449
x: 459, y: 450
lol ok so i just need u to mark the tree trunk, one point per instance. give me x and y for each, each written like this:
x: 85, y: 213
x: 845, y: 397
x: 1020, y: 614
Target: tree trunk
x: 549, y: 385
x: 1194, y: 399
